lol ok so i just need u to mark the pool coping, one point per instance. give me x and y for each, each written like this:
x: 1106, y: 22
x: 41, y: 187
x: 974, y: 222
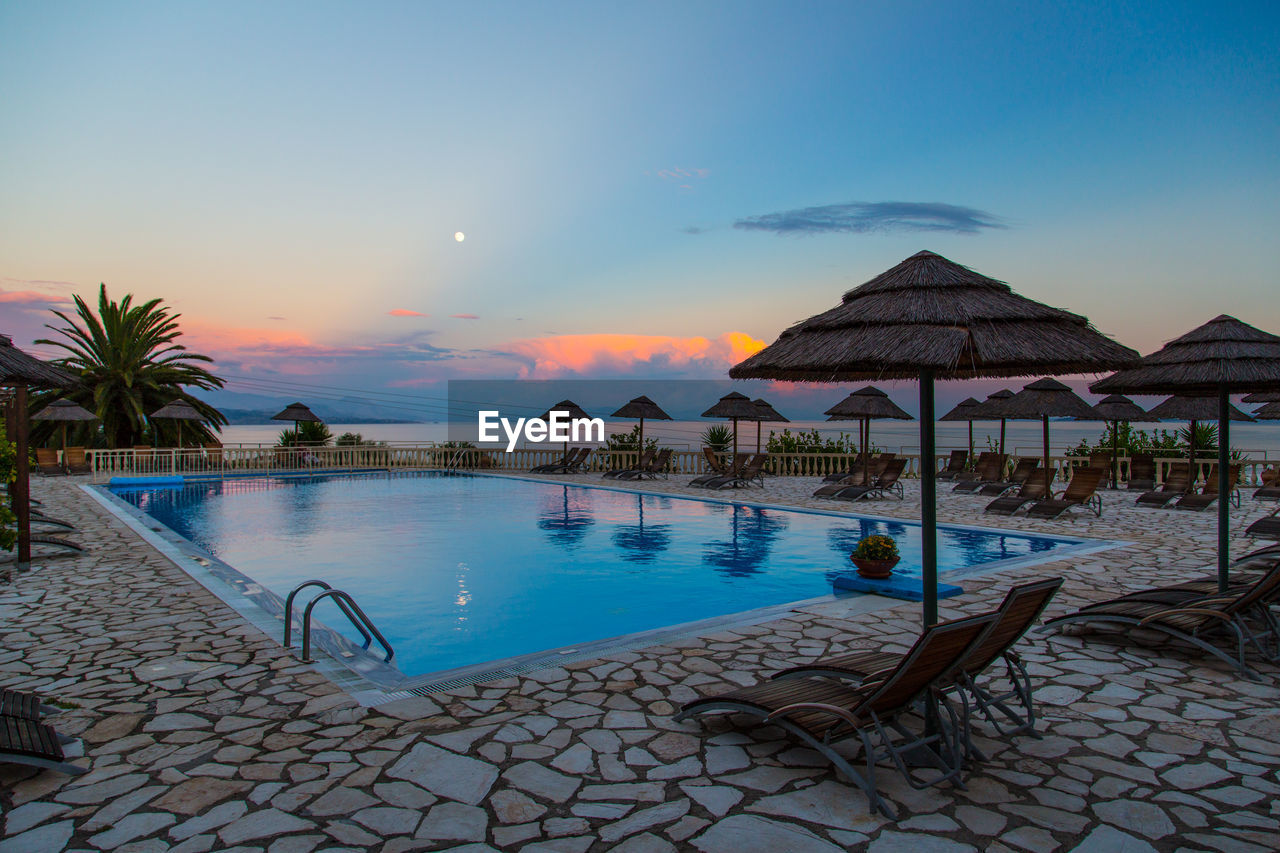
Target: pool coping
x: 371, y: 681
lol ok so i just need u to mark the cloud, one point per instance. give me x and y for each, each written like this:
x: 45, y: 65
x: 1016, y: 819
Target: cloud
x: 31, y: 298
x: 694, y: 229
x: 40, y: 282
x: 465, y: 316
x: 275, y: 318
x: 863, y: 217
x: 628, y: 355
x: 405, y: 312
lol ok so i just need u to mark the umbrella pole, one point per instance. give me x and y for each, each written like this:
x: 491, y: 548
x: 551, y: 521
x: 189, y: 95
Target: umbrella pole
x: 1048, y: 472
x: 735, y: 436
x: 866, y: 452
x: 64, y: 443
x: 928, y: 496
x: 640, y: 446
x: 757, y: 438
x: 1191, y: 457
x: 970, y: 462
x: 1224, y: 419
x: 21, y: 486
x: 1115, y: 464
x: 1002, y: 423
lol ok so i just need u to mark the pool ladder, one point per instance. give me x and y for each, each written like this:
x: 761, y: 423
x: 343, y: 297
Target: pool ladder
x: 346, y: 604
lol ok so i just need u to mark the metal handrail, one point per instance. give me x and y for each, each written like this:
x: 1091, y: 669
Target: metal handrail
x: 341, y: 598
x: 288, y: 612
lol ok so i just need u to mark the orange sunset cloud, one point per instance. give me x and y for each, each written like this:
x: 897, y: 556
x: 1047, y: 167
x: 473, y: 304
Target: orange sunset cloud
x: 563, y: 355
x: 405, y: 312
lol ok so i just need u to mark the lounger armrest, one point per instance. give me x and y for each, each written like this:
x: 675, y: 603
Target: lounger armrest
x: 1185, y: 611
x: 834, y: 710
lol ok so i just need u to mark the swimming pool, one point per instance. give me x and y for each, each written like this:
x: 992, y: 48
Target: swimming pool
x: 458, y: 569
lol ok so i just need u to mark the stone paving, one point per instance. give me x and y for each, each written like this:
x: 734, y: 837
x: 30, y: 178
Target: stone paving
x: 202, y: 733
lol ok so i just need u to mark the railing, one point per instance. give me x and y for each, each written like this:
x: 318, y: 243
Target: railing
x: 230, y: 461
x: 345, y: 603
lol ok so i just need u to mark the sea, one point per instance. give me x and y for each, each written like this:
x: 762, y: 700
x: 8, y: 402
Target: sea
x: 1022, y: 438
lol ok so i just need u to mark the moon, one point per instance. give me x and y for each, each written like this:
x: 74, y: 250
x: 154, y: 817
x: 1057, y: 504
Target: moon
x: 459, y: 236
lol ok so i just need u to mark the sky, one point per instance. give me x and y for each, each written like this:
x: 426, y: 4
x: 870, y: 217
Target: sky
x: 643, y: 189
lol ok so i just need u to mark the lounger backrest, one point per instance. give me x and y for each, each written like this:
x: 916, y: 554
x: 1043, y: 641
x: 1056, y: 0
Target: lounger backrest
x: 993, y: 467
x: 713, y: 461
x: 1142, y: 466
x: 936, y: 655
x: 1023, y: 470
x: 1210, y: 486
x: 891, y: 473
x: 957, y: 461
x: 754, y: 465
x: 739, y: 462
x: 1034, y: 487
x: 1084, y: 482
x: 984, y: 458
x: 1020, y: 609
x: 1178, y: 478
x: 660, y: 460
x: 1264, y: 589
x: 46, y: 456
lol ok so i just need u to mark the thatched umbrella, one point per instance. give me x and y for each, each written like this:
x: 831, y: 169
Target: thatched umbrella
x: 572, y: 409
x: 1041, y: 400
x: 642, y: 407
x: 991, y: 408
x: 1269, y: 412
x: 931, y: 318
x: 64, y: 412
x: 1222, y: 357
x: 178, y: 410
x: 1193, y: 410
x: 1113, y: 409
x: 20, y: 371
x: 297, y: 413
x: 735, y: 407
x: 863, y: 405
x: 965, y: 410
x: 767, y: 413
x: 1262, y: 397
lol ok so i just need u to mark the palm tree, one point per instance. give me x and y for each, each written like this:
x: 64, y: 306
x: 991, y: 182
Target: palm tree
x: 131, y: 365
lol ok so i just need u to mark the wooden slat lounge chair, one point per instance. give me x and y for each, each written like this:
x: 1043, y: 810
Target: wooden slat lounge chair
x: 1025, y: 468
x: 77, y: 461
x: 1176, y: 484
x: 1032, y: 490
x: 983, y: 460
x: 657, y: 466
x: 857, y: 477
x: 17, y: 703
x: 571, y: 463
x: 886, y: 484
x: 645, y: 458
x: 1270, y: 488
x: 1142, y: 472
x: 1224, y: 626
x: 854, y: 469
x: 822, y: 713
x: 956, y: 465
x: 752, y: 472
x: 25, y: 741
x: 1267, y: 527
x: 990, y: 470
x: 569, y: 455
x: 1210, y: 491
x: 1015, y: 616
x: 1081, y: 491
x: 727, y: 469
x: 47, y: 462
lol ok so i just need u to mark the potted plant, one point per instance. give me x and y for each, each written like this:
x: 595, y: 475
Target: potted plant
x: 875, y: 556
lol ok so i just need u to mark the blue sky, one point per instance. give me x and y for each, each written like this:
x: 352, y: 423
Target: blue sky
x: 628, y: 178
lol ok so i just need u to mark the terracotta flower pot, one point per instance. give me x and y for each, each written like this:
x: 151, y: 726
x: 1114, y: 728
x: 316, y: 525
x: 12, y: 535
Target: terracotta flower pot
x: 875, y: 569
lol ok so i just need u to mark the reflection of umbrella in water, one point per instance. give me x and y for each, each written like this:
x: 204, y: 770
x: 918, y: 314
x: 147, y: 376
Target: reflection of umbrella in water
x: 863, y: 405
x: 930, y: 318
x: 1222, y: 357
x: 566, y: 521
x: 752, y: 534
x: 64, y: 411
x: 640, y: 542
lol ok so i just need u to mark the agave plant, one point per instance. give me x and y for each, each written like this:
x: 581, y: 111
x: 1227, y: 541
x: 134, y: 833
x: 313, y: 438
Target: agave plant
x: 717, y: 437
x: 130, y: 365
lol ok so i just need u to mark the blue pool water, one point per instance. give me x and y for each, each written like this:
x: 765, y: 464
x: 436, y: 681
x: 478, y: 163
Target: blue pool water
x: 459, y: 570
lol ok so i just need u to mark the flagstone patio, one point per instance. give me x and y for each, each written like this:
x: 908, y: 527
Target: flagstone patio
x: 202, y: 733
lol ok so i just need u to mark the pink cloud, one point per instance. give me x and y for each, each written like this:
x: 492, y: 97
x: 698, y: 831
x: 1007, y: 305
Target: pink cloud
x: 565, y: 355
x: 405, y: 312
x: 465, y: 316
x: 31, y: 297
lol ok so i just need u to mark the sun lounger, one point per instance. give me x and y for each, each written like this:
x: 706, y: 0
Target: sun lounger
x: 569, y: 455
x: 887, y: 483
x: 47, y: 462
x: 76, y: 461
x: 1176, y: 484
x: 1225, y: 626
x: 1020, y: 609
x: 1081, y: 491
x: 822, y: 713
x: 657, y: 466
x: 1025, y: 468
x: 955, y: 465
x: 854, y: 469
x: 16, y: 703
x: 1267, y: 527
x: 1209, y: 493
x: 1142, y: 472
x: 570, y: 463
x: 718, y: 467
x: 26, y: 741
x: 645, y: 459
x: 752, y: 472
x: 1032, y: 490
x: 990, y: 470
x: 859, y: 476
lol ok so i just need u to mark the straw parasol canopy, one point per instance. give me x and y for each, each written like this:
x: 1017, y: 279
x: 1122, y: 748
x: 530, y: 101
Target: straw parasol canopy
x: 297, y: 413
x: 178, y: 410
x: 735, y: 407
x: 1269, y: 412
x: 1262, y: 397
x: 1115, y: 408
x: 20, y: 371
x: 990, y: 410
x: 863, y: 405
x: 64, y: 412
x: 642, y: 407
x: 1041, y: 400
x: 965, y: 410
x: 574, y: 411
x: 1222, y: 357
x: 766, y: 413
x: 930, y: 318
